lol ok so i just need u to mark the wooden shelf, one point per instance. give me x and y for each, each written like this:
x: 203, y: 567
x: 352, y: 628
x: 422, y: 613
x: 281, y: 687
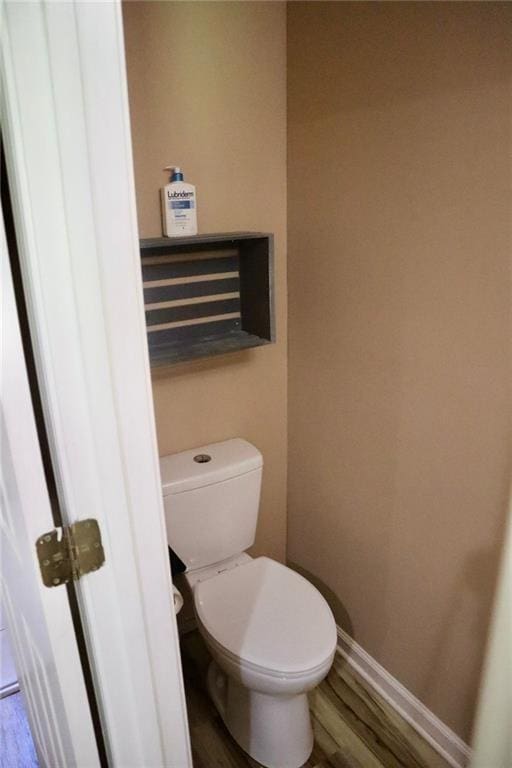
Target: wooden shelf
x: 207, y: 294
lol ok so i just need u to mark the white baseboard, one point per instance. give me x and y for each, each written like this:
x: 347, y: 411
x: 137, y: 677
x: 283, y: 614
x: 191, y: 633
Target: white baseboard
x: 455, y: 751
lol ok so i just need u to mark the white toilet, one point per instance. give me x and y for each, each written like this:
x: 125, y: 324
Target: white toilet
x: 271, y: 634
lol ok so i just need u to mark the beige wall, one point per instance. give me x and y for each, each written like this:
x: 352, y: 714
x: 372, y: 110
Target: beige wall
x: 207, y: 85
x: 399, y: 193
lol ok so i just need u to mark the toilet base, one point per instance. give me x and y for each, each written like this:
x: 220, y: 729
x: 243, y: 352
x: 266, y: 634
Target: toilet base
x: 274, y: 730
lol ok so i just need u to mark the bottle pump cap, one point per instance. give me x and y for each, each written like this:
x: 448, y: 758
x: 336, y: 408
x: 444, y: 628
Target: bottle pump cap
x: 175, y: 171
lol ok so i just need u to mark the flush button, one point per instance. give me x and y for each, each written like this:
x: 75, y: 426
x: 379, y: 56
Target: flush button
x: 202, y: 458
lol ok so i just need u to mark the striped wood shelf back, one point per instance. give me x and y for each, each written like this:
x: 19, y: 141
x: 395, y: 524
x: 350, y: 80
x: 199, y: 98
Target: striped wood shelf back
x: 207, y: 294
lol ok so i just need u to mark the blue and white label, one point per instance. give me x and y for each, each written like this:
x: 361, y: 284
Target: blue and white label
x: 182, y: 204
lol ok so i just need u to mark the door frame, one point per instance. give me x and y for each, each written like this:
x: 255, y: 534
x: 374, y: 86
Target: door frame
x: 492, y: 741
x: 67, y: 140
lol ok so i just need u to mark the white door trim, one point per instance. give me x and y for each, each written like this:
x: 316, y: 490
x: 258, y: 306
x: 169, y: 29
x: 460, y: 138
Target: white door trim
x: 68, y: 149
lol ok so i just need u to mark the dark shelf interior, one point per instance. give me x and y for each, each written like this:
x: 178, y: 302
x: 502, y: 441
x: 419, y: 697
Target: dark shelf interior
x: 207, y: 294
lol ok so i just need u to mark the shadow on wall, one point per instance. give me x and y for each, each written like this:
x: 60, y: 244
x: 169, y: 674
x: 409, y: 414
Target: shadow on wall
x: 470, y: 605
x: 339, y: 611
x: 217, y: 363
x: 476, y: 584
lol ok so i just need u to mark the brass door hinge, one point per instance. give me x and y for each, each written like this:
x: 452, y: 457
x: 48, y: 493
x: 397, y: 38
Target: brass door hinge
x: 78, y: 551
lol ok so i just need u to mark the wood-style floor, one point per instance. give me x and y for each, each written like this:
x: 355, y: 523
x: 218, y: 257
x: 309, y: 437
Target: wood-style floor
x: 16, y: 745
x: 353, y: 728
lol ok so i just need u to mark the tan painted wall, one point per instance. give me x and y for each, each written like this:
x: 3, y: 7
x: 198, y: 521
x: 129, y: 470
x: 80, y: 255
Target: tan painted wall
x: 207, y: 85
x: 399, y: 190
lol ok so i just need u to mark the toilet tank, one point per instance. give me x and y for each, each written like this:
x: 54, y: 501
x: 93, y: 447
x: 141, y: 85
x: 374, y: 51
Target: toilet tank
x: 211, y: 499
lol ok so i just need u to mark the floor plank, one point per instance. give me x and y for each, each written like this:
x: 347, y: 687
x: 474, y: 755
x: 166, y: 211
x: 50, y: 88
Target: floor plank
x: 324, y: 743
x: 340, y: 731
x: 340, y: 759
x: 16, y: 745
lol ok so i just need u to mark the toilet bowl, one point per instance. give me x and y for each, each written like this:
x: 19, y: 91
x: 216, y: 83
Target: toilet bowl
x: 272, y: 637
x: 271, y: 634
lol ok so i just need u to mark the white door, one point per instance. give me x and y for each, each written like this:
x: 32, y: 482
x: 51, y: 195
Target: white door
x: 65, y: 123
x: 39, y: 619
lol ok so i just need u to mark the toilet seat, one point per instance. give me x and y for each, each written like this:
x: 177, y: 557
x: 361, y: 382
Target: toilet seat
x: 245, y: 668
x: 267, y: 617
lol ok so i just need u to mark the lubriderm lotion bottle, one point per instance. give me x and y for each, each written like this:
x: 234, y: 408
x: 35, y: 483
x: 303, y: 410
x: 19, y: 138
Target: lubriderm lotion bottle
x: 179, y: 210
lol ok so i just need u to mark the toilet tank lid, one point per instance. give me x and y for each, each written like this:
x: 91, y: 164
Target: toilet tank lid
x: 208, y: 464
